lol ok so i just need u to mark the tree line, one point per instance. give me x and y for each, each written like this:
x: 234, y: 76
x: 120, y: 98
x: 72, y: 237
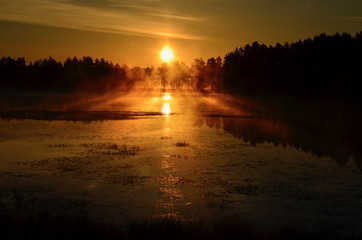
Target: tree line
x: 325, y: 66
x: 73, y: 75
x: 101, y: 76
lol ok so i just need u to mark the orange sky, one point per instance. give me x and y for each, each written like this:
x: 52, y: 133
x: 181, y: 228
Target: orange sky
x: 134, y: 31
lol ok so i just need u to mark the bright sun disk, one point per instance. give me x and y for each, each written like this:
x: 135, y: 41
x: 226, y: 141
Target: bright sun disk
x: 166, y: 54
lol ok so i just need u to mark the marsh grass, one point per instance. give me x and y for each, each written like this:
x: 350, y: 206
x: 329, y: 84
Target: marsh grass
x: 70, y: 220
x: 46, y: 226
x: 25, y: 218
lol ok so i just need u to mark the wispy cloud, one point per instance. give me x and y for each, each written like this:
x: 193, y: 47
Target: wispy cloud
x: 169, y: 16
x: 113, y: 17
x: 356, y: 18
x: 346, y: 18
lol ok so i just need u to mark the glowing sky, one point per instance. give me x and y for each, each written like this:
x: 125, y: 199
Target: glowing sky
x: 134, y: 31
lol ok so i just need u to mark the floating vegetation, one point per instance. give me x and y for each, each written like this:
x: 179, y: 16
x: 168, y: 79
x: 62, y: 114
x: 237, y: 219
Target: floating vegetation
x: 182, y: 144
x: 166, y: 138
x: 198, y: 183
x: 129, y: 150
x: 175, y: 156
x: 103, y: 148
x: 125, y: 179
x: 59, y: 145
x: 112, y: 149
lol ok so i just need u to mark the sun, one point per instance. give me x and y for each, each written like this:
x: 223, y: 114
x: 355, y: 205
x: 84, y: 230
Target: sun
x: 166, y: 54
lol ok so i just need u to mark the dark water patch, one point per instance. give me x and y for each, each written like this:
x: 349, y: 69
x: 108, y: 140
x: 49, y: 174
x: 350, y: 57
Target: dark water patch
x: 17, y: 174
x: 248, y: 187
x: 233, y: 116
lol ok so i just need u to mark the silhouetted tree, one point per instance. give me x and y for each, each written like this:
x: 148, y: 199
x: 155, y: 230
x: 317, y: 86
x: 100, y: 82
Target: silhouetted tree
x: 179, y: 75
x: 214, y: 69
x: 199, y: 73
x: 162, y: 73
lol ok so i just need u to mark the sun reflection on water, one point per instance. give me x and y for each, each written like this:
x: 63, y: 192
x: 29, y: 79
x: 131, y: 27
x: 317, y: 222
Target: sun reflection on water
x: 172, y: 197
x: 166, y: 109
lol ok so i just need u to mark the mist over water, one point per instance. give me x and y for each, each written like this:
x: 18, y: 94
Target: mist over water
x: 181, y: 155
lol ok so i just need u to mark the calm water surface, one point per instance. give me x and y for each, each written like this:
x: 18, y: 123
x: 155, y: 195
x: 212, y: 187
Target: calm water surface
x: 180, y: 156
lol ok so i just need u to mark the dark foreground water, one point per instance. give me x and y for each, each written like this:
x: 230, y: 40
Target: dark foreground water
x: 187, y: 157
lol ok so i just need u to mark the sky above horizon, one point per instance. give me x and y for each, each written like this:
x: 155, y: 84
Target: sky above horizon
x: 134, y: 31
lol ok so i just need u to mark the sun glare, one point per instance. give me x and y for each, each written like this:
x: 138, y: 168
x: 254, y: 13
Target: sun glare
x: 166, y: 54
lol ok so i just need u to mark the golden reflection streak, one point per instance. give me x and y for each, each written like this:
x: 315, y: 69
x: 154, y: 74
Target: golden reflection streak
x: 166, y: 109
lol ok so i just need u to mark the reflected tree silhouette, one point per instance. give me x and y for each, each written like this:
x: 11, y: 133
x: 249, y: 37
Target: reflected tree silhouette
x: 315, y: 130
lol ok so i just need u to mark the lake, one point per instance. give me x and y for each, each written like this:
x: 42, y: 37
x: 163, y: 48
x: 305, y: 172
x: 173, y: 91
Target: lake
x: 182, y: 156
